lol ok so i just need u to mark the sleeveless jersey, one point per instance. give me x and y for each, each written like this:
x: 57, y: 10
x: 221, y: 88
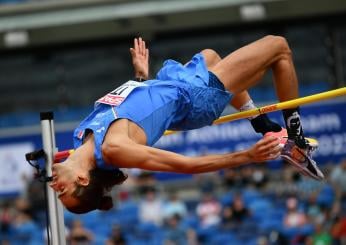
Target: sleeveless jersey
x: 180, y: 98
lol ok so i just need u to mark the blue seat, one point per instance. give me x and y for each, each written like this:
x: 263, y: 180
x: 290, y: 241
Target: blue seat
x: 26, y: 233
x: 269, y: 224
x: 252, y: 241
x: 291, y: 232
x: 326, y: 196
x: 190, y: 221
x: 205, y: 234
x: 307, y: 229
x: 249, y: 224
x: 250, y: 196
x: 99, y: 239
x: 245, y: 235
x: 226, y: 199
x: 147, y: 230
x: 90, y: 220
x: 223, y: 238
x: 260, y: 204
x: 125, y: 215
x: 276, y: 213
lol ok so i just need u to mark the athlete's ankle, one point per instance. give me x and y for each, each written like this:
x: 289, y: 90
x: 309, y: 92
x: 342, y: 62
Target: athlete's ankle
x: 262, y: 124
x: 294, y: 127
x: 300, y: 141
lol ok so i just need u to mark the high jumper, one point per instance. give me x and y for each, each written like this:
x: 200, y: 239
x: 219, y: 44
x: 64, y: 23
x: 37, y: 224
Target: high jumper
x: 126, y: 122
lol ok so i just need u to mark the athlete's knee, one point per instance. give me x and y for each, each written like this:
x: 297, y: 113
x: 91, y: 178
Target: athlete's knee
x: 280, y: 44
x: 211, y: 57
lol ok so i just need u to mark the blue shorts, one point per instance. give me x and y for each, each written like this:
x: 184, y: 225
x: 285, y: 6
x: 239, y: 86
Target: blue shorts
x: 182, y: 97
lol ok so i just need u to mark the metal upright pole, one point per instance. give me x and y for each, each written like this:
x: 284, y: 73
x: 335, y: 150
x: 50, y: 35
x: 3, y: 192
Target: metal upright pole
x: 55, y: 209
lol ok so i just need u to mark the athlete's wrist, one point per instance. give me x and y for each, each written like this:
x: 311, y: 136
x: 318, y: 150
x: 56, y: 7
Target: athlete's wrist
x: 238, y: 158
x: 243, y: 157
x: 141, y: 76
x: 249, y: 155
x: 140, y: 79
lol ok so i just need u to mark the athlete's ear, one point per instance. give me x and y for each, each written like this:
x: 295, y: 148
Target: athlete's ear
x: 83, y: 180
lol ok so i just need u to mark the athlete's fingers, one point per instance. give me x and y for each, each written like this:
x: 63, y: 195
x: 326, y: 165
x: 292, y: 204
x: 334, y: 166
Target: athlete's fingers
x: 135, y: 44
x: 147, y: 55
x: 273, y: 153
x: 140, y: 45
x: 133, y: 52
x: 270, y: 139
x: 267, y: 157
x: 273, y: 156
x: 143, y: 48
x: 267, y: 149
x: 269, y: 153
x: 276, y: 150
x: 267, y: 140
x: 267, y: 144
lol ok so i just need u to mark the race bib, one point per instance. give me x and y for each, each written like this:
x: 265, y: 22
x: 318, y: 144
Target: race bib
x: 118, y: 95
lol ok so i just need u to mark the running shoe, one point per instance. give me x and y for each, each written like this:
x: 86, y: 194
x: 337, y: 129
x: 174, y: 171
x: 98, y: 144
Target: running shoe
x: 301, y: 159
x: 282, y: 136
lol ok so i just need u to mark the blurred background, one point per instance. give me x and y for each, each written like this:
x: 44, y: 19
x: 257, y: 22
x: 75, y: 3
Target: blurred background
x: 62, y: 55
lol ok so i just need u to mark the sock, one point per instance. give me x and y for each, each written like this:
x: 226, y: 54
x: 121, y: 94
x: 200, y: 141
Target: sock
x: 261, y: 123
x: 294, y: 127
x: 249, y: 106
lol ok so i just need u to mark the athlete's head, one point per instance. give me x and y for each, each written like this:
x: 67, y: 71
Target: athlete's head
x: 82, y: 190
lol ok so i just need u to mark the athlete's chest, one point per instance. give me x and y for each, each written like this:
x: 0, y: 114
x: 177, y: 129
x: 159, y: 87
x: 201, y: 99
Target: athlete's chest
x: 128, y: 129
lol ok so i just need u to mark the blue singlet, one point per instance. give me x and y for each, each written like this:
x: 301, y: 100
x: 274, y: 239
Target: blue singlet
x: 180, y: 98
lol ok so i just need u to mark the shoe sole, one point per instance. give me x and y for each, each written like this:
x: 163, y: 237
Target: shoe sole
x: 301, y: 169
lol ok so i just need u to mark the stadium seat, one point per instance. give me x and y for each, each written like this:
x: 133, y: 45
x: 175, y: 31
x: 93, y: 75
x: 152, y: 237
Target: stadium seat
x: 326, y: 196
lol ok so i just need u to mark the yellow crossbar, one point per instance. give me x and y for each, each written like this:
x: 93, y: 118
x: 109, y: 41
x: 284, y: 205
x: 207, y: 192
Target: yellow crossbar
x: 276, y: 107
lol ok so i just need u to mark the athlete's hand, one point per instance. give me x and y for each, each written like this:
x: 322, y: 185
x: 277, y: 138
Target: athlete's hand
x: 140, y: 58
x: 265, y: 149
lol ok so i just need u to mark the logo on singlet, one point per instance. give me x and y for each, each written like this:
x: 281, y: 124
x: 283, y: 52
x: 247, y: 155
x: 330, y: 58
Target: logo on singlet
x: 118, y: 95
x: 80, y: 134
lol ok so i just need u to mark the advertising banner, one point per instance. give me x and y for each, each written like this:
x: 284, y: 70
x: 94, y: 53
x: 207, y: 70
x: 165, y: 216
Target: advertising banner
x: 15, y: 172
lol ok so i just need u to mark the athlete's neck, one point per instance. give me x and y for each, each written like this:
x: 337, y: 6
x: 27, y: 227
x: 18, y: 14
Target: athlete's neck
x: 83, y: 158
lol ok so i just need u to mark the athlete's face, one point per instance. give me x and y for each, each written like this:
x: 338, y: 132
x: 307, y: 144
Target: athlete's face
x: 64, y: 183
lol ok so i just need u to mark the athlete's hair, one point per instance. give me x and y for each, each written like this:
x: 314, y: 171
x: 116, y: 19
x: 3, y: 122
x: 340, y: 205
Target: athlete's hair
x: 93, y: 195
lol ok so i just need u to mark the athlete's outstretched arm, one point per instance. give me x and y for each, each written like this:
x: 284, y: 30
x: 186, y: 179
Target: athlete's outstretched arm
x: 128, y: 154
x: 140, y: 59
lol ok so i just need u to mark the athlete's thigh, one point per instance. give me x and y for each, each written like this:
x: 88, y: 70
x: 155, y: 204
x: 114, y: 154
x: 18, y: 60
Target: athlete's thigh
x: 241, y: 69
